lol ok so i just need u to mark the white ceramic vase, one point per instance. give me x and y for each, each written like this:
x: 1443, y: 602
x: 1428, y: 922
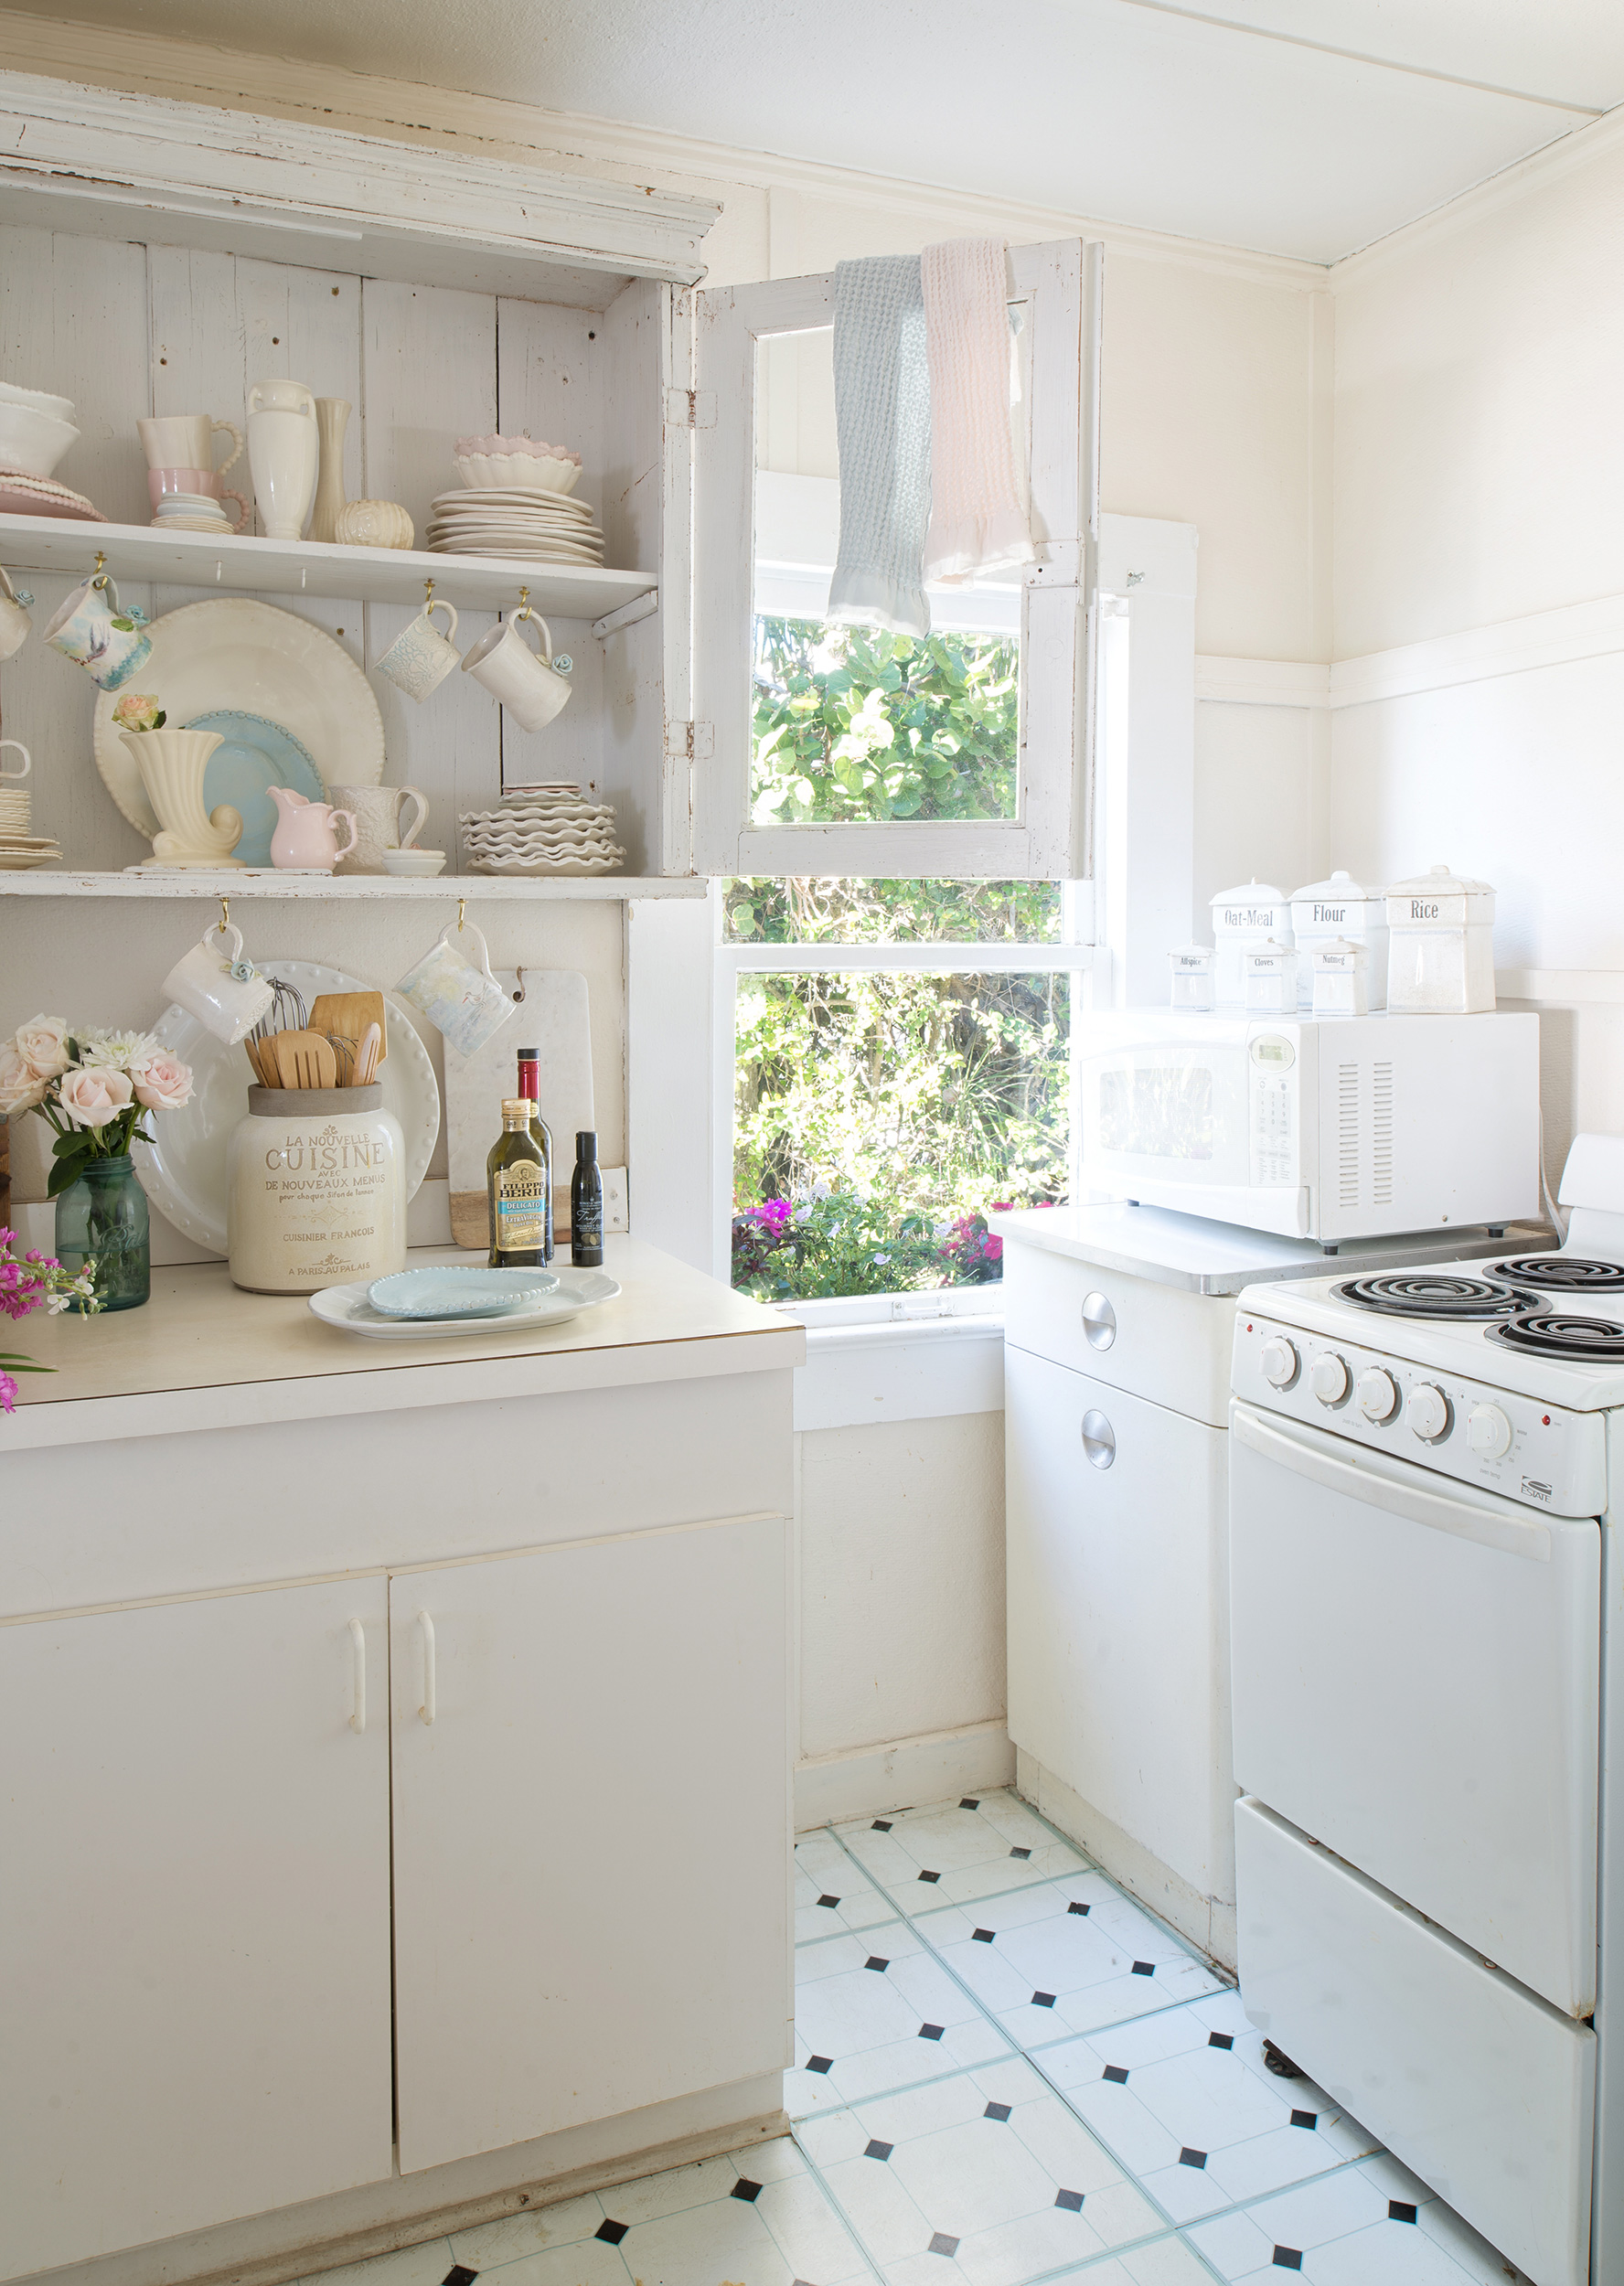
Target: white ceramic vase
x: 172, y: 765
x: 332, y: 418
x: 283, y: 454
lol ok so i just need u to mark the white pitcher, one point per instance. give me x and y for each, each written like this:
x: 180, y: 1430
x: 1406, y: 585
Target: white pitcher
x: 283, y: 454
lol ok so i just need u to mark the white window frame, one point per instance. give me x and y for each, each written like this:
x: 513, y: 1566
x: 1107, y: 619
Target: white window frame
x: 1058, y: 287
x: 1071, y: 954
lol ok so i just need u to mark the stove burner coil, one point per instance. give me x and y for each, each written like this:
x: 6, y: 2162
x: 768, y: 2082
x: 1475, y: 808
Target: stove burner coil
x: 1561, y: 1274
x: 1552, y: 1333
x: 1434, y: 1294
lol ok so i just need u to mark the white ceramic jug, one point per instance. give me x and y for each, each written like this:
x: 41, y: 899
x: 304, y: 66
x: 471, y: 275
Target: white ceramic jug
x: 283, y: 454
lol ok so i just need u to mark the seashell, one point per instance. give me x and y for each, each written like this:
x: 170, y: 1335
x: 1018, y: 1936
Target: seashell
x: 374, y: 524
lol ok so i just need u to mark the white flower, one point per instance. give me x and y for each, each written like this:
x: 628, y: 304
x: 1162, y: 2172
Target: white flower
x: 21, y: 1086
x: 95, y: 1094
x: 42, y: 1042
x: 119, y: 1051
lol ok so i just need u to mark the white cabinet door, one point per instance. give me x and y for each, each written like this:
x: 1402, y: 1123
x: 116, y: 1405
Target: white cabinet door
x: 1119, y: 1610
x: 591, y: 1832
x: 193, y: 1916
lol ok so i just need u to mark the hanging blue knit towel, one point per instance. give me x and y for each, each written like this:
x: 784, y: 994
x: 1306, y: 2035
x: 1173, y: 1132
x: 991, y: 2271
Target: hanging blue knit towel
x: 882, y: 425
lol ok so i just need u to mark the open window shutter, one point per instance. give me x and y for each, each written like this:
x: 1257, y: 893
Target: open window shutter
x: 1057, y: 288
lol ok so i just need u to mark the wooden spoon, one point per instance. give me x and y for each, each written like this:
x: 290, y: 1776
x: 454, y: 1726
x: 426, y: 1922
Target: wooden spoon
x: 345, y: 1015
x: 305, y: 1060
x: 368, y: 1055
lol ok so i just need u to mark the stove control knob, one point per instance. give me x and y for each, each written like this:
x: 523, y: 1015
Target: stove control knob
x: 1488, y: 1431
x: 1378, y: 1395
x: 1280, y: 1361
x: 1328, y: 1378
x: 1427, y: 1413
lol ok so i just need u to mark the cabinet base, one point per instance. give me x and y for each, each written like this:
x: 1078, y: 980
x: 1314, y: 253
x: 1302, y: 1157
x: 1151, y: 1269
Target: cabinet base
x: 352, y: 2226
x: 1209, y: 1923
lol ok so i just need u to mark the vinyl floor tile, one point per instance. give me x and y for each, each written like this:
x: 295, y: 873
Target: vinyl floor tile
x: 831, y: 1892
x: 952, y: 1851
x: 1341, y: 2229
x: 862, y: 2028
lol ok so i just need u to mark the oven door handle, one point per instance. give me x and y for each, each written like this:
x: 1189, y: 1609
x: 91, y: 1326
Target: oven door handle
x: 1319, y: 1461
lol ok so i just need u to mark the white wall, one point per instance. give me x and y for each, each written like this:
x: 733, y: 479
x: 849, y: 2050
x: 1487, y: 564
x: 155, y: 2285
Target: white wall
x: 1480, y: 483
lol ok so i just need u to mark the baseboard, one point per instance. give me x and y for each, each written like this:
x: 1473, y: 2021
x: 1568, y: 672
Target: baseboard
x: 938, y: 1765
x: 1209, y: 1923
x: 293, y: 2242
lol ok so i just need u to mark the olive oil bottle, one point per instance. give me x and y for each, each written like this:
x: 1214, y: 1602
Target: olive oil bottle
x: 529, y: 1086
x: 516, y: 1191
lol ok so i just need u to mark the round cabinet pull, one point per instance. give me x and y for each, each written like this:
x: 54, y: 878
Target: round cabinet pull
x: 1100, y: 1321
x: 1099, y: 1439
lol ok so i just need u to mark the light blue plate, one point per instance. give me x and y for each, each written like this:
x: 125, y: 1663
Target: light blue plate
x: 252, y: 756
x: 457, y: 1292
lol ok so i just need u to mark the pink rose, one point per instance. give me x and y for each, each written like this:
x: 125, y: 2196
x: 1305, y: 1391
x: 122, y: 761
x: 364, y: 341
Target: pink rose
x: 163, y: 1082
x: 21, y: 1086
x: 42, y: 1042
x: 95, y: 1094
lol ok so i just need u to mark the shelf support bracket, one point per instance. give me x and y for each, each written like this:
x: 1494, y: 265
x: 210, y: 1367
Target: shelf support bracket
x: 640, y: 607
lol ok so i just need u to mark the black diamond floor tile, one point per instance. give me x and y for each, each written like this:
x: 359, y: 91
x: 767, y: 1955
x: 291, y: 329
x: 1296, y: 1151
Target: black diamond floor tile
x: 932, y: 2031
x: 930, y: 1877
x: 942, y: 2244
x: 1071, y: 2200
x: 1188, y: 2158
x: 969, y: 1802
x: 997, y: 2112
x: 611, y: 2232
x: 881, y: 1826
x: 1144, y: 1968
x: 745, y: 2189
x: 1305, y: 2119
x: 982, y: 1936
x: 1117, y: 2072
x: 830, y: 1901
x: 875, y: 2149
x: 1221, y: 2039
x: 1399, y: 2211
x: 820, y: 2063
x: 459, y: 2274
x: 1289, y: 2257
x: 874, y: 1962
x: 1020, y: 1853
x: 1077, y: 1908
x: 1043, y: 1999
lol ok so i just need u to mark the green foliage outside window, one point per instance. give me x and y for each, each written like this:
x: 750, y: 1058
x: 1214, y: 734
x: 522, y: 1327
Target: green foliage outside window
x: 856, y: 725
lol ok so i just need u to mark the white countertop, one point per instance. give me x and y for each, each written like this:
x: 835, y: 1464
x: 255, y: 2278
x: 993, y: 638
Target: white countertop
x: 204, y: 1354
x: 1205, y: 1257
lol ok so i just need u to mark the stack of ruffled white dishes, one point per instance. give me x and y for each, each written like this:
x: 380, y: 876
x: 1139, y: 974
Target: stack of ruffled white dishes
x: 516, y: 503
x: 543, y: 829
x: 20, y: 849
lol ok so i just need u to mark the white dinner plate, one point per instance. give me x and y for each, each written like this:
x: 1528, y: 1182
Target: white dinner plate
x: 565, y: 503
x: 184, y: 1172
x: 233, y: 652
x: 347, y: 1308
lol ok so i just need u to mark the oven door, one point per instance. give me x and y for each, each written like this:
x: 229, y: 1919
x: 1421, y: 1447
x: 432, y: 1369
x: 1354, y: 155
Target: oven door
x: 1416, y: 1676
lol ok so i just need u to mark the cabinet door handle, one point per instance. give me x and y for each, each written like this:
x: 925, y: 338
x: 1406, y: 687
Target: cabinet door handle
x: 426, y: 1710
x: 358, y: 1650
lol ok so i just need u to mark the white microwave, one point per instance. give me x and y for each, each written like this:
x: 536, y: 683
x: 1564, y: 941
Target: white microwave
x: 1352, y: 1126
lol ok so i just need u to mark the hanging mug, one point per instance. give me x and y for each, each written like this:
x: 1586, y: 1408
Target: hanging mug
x: 14, y: 622
x: 111, y: 644
x: 463, y: 1002
x: 532, y: 688
x: 228, y: 995
x: 420, y: 658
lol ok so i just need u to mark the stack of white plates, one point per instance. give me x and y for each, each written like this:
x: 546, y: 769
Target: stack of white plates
x: 543, y: 829
x: 20, y: 852
x: 524, y: 525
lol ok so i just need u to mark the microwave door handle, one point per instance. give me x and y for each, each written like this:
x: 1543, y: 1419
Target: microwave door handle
x: 1512, y: 1534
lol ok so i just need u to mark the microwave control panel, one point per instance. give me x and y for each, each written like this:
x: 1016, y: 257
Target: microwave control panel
x: 1272, y: 1089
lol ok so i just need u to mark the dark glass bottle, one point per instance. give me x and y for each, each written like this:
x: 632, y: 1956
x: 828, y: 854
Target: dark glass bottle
x: 515, y: 1179
x: 586, y: 1205
x: 529, y: 1086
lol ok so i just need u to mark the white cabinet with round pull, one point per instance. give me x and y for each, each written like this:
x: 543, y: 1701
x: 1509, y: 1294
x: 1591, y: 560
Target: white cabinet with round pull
x: 1100, y: 1321
x: 1099, y: 1439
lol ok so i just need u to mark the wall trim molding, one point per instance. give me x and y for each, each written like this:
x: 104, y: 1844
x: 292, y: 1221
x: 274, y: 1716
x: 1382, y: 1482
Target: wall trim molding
x: 1562, y: 987
x: 1505, y: 647
x: 1262, y: 682
x: 866, y: 1781
x: 906, y: 1370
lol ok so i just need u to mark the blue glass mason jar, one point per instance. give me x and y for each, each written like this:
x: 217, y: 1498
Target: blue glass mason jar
x: 103, y: 1218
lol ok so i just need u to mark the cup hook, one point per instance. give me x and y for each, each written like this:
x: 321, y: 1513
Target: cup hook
x: 225, y: 919
x: 462, y: 908
x: 428, y: 595
x: 100, y: 578
x: 524, y: 611
x: 520, y: 989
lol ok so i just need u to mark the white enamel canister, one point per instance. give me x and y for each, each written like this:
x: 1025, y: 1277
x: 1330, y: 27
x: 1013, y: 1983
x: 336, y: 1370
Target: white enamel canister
x: 1440, y: 956
x: 1336, y: 911
x: 1270, y: 976
x: 1191, y: 971
x: 1254, y: 914
x: 1340, y: 980
x: 318, y: 1190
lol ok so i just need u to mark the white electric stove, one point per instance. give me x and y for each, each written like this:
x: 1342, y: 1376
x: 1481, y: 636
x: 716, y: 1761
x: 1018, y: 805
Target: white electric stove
x: 1428, y: 1647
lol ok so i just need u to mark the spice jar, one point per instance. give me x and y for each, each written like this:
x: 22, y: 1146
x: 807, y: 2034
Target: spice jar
x: 1191, y: 967
x: 316, y: 1189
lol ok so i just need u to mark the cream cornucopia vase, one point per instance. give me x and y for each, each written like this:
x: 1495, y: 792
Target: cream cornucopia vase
x: 172, y: 765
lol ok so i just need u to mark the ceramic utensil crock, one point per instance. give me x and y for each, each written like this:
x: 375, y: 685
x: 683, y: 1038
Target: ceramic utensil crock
x: 318, y: 1190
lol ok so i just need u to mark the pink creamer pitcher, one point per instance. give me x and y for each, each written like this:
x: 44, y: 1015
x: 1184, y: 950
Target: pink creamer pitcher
x: 304, y: 841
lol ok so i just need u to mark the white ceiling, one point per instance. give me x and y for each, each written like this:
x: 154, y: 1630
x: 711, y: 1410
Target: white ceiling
x: 1305, y: 127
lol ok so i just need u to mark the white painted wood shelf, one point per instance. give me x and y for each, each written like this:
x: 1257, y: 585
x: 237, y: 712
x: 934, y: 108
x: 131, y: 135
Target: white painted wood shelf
x: 312, y: 567
x: 378, y: 888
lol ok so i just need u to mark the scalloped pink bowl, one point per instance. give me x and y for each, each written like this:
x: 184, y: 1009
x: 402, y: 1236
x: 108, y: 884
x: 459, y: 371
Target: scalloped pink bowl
x: 496, y: 463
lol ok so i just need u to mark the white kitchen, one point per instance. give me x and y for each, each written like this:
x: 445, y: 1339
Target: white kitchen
x: 809, y: 1016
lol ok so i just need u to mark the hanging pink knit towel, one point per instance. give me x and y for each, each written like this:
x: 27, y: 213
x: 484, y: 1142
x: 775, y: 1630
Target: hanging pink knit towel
x: 979, y: 516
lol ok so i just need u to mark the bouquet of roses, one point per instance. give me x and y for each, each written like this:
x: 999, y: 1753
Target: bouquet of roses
x: 93, y: 1088
x: 35, y: 1281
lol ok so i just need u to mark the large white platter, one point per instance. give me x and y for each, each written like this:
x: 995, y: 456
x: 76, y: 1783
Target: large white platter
x: 184, y: 1172
x: 347, y: 1308
x: 233, y: 652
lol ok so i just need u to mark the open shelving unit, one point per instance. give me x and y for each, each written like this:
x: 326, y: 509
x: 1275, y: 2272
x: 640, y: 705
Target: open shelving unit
x: 606, y: 599
x: 351, y: 888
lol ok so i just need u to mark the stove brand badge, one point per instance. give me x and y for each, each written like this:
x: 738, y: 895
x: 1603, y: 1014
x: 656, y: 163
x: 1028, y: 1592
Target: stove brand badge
x: 1534, y: 1490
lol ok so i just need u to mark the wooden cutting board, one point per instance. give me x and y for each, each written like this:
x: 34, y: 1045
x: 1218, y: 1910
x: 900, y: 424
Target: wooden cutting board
x: 554, y: 1019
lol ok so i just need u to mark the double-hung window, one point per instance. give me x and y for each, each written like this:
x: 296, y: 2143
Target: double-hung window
x: 903, y: 825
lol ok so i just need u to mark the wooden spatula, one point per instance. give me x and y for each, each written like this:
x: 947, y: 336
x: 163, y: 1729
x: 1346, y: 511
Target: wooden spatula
x: 305, y: 1060
x: 264, y: 1070
x: 346, y: 1016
